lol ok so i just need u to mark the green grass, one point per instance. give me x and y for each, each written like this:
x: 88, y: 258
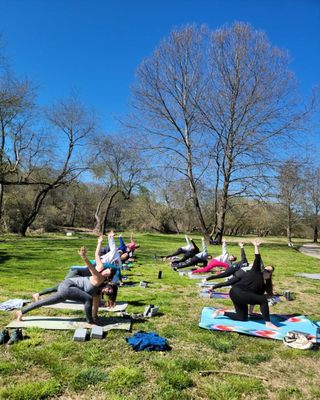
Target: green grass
x: 49, y: 364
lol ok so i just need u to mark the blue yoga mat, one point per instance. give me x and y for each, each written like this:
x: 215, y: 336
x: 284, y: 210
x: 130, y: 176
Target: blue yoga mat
x: 257, y: 327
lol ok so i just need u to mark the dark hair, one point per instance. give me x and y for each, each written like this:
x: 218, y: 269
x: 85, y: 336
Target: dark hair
x: 110, y: 277
x: 114, y: 291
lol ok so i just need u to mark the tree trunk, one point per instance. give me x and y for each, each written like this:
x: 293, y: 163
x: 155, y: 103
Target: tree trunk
x: 35, y: 210
x: 289, y: 226
x: 315, y: 234
x: 98, y: 224
x: 106, y: 212
x: 1, y: 207
x: 196, y: 204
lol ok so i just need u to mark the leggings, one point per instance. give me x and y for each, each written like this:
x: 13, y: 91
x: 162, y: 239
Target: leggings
x: 187, y: 255
x: 212, y: 264
x: 72, y: 273
x: 177, y: 252
x: 66, y: 291
x: 191, y: 262
x: 241, y: 298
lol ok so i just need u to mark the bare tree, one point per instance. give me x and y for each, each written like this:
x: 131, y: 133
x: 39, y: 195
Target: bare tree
x: 19, y: 143
x: 169, y: 85
x: 250, y: 108
x: 121, y: 170
x: 290, y: 194
x: 312, y: 193
x: 70, y: 126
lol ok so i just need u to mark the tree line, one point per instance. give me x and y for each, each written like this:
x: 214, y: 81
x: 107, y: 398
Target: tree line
x: 209, y: 145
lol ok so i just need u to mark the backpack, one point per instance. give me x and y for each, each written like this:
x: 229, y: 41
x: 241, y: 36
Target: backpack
x: 297, y: 340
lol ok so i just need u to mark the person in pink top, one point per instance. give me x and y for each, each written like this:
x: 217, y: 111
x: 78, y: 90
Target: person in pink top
x: 224, y: 260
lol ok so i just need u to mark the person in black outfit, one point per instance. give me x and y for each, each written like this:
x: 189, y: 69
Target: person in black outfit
x: 187, y: 255
x: 188, y: 251
x: 250, y: 289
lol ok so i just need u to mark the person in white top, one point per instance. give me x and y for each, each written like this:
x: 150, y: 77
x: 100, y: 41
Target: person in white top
x: 224, y: 260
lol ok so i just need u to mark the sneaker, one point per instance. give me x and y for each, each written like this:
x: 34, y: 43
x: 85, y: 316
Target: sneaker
x: 297, y: 340
x: 4, y: 336
x: 16, y: 336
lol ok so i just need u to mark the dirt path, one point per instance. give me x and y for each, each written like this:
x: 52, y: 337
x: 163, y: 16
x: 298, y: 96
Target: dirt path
x: 310, y: 249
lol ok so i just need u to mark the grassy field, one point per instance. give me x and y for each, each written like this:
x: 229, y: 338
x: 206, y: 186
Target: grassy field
x: 49, y: 364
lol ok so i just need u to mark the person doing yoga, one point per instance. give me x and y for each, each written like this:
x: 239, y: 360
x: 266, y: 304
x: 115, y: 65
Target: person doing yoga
x: 224, y: 261
x: 235, y: 269
x: 112, y: 274
x: 125, y: 251
x: 189, y: 247
x: 249, y: 290
x: 84, y: 289
x: 201, y: 257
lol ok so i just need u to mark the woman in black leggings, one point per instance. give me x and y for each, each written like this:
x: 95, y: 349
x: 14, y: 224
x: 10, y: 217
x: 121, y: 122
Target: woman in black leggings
x: 250, y: 289
x: 84, y: 289
x: 190, y: 248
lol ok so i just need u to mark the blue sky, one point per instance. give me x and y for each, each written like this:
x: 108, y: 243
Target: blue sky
x: 95, y: 46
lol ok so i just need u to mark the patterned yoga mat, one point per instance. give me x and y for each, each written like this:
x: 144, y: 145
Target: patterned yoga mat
x: 257, y: 327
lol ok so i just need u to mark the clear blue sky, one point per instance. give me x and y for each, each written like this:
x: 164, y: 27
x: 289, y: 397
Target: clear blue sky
x: 95, y: 46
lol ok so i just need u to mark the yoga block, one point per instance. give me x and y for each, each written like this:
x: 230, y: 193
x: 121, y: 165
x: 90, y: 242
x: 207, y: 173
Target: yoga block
x: 151, y: 311
x: 80, y: 335
x: 97, y: 332
x: 154, y: 311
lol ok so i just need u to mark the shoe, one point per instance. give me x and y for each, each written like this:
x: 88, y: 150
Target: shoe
x: 4, y: 336
x: 297, y: 340
x: 15, y: 337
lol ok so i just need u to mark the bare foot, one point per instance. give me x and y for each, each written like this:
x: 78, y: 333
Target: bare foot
x: 19, y: 315
x: 36, y: 297
x: 216, y: 313
x: 270, y: 325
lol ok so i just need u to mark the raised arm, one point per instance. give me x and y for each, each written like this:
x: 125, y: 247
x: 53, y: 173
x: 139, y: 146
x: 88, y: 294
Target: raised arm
x: 204, y: 246
x: 228, y: 272
x: 97, y: 258
x: 83, y: 255
x: 224, y: 249
x: 229, y: 282
x: 244, y: 259
x: 196, y: 248
x: 257, y: 258
x: 187, y: 240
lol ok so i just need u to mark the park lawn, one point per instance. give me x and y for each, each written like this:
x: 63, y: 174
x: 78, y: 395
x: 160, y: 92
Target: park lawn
x: 49, y: 364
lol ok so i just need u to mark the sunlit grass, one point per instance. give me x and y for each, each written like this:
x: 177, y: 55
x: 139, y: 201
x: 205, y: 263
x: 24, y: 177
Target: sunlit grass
x: 50, y: 364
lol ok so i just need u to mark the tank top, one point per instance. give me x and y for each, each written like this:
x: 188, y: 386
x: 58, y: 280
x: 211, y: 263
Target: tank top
x: 84, y: 284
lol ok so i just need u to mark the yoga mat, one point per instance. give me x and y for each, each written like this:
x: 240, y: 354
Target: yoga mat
x: 214, y: 295
x: 197, y: 276
x: 209, y: 285
x: 73, y: 305
x: 310, y: 276
x: 255, y: 327
x: 69, y: 323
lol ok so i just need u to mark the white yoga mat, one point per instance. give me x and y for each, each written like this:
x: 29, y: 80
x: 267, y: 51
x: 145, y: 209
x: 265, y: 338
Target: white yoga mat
x: 69, y: 323
x: 73, y: 305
